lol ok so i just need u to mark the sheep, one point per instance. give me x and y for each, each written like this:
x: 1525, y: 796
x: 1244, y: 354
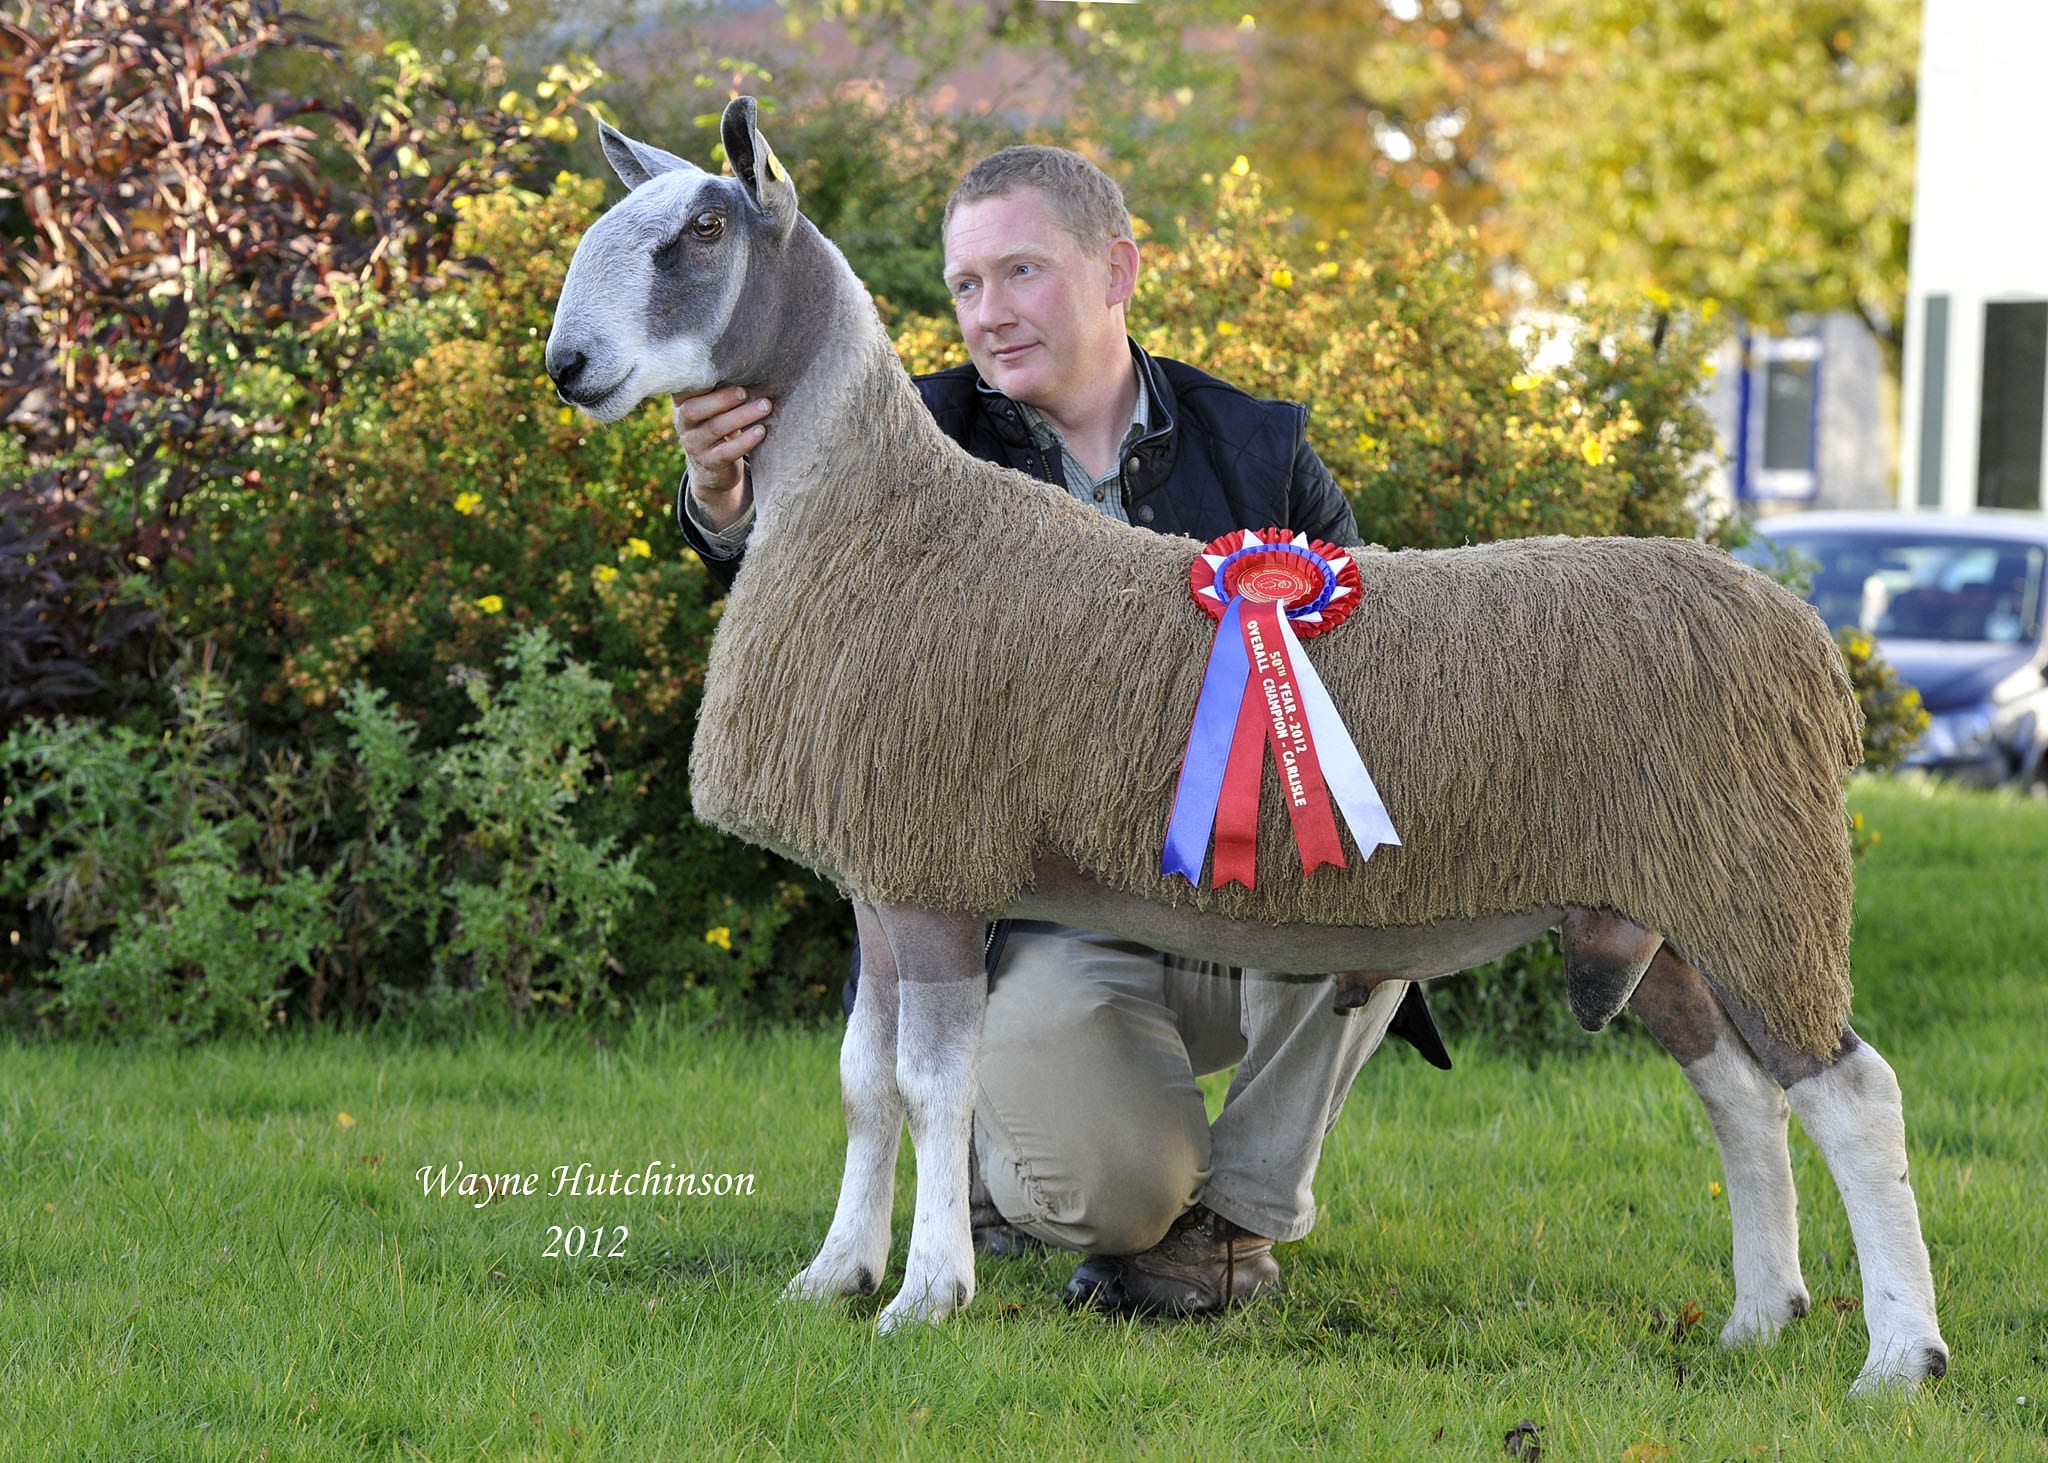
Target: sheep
x: 1638, y: 742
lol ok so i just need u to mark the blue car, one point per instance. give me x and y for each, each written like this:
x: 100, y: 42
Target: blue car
x: 1955, y: 602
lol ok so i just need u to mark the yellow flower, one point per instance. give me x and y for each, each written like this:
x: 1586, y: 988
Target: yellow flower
x: 719, y: 936
x: 1365, y: 441
x: 343, y: 1120
x: 605, y: 573
x: 566, y: 415
x: 1526, y: 381
x: 1284, y: 277
x: 1242, y: 166
x: 1225, y: 327
x: 1714, y: 1188
x: 1247, y: 21
x: 1593, y: 451
x: 639, y: 548
x: 467, y: 503
x: 492, y: 604
x: 1709, y: 308
x: 1658, y: 297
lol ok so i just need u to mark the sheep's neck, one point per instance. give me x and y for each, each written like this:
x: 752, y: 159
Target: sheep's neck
x: 850, y: 414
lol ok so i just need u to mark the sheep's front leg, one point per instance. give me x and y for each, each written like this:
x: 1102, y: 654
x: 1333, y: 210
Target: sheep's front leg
x: 855, y: 1255
x: 1748, y: 1112
x: 942, y: 992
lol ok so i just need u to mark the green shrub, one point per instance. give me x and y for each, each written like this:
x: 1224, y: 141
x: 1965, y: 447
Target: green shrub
x: 187, y: 889
x: 451, y: 501
x: 190, y: 262
x: 1893, y: 717
x: 167, y: 905
x: 470, y: 853
x: 448, y: 502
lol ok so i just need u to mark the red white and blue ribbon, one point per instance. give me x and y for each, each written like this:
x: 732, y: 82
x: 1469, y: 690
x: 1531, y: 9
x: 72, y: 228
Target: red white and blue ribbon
x: 1269, y: 591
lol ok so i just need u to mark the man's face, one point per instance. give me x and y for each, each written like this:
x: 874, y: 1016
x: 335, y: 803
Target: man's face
x: 1040, y: 316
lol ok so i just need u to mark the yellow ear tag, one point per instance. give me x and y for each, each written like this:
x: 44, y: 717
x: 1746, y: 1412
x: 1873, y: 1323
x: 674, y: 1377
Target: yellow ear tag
x: 774, y: 163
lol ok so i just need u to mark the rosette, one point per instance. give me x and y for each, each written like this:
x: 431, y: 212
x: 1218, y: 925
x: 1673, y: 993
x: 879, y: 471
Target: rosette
x: 1269, y: 591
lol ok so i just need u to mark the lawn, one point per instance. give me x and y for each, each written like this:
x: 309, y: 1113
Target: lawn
x: 229, y: 1250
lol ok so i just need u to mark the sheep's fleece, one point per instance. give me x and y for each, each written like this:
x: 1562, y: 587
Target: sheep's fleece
x: 989, y: 670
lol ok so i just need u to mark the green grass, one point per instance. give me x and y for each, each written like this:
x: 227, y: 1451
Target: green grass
x: 199, y: 1258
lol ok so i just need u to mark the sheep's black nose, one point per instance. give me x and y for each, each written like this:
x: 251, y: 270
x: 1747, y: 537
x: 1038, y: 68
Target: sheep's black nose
x: 564, y: 369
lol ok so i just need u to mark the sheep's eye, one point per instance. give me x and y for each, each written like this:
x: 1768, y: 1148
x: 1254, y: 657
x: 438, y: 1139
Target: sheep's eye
x: 705, y: 227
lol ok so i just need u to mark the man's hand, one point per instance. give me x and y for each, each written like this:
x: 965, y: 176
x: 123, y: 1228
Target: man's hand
x: 717, y: 429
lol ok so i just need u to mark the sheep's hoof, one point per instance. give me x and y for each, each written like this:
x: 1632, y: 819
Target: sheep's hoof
x: 820, y: 1281
x: 1758, y: 1325
x: 929, y: 1304
x: 1902, y: 1368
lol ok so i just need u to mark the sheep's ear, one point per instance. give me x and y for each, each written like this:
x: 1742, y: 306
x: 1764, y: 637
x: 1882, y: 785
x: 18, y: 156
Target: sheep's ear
x: 754, y: 163
x: 636, y: 162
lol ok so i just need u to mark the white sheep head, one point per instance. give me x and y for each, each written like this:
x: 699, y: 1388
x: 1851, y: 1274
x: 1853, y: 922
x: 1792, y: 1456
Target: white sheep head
x: 674, y: 291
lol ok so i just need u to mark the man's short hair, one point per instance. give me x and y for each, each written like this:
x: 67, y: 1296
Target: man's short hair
x: 1087, y: 200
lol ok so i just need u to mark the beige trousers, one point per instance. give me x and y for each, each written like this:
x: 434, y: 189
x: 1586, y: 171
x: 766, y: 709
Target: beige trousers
x: 1089, y: 1128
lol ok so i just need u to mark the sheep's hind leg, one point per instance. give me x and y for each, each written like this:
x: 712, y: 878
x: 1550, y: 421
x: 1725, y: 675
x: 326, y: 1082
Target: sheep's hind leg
x: 1748, y: 1112
x: 855, y: 1254
x: 943, y: 992
x: 1850, y: 1107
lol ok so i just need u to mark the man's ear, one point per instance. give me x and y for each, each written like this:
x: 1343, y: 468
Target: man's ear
x: 1122, y: 258
x: 754, y: 163
x: 636, y: 162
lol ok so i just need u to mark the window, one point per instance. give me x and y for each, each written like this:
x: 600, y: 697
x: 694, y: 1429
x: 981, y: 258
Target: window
x: 1781, y: 404
x: 2014, y: 397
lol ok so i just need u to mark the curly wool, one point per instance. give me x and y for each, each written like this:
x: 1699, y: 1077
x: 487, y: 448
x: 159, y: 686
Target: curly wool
x: 985, y: 671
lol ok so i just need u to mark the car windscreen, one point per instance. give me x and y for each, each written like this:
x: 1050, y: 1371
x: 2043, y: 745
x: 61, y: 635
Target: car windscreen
x: 1916, y: 588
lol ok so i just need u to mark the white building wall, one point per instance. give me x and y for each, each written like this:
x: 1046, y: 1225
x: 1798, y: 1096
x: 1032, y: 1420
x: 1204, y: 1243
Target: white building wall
x: 1980, y: 227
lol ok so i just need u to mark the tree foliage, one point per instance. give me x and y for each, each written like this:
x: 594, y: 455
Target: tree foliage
x: 1758, y: 154
x: 1366, y: 107
x: 1761, y: 155
x: 1146, y: 91
x: 188, y: 268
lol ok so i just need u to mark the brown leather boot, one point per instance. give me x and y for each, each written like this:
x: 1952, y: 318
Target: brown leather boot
x: 1204, y: 1265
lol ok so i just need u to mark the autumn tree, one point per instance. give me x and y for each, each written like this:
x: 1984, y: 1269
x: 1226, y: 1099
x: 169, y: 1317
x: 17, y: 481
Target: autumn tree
x: 1370, y: 105
x: 1759, y: 154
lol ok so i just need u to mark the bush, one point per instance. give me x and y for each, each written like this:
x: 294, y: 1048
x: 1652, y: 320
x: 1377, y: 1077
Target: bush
x: 470, y: 856
x: 450, y: 502
x: 168, y: 904
x: 1893, y: 716
x: 187, y: 269
x: 446, y: 505
x: 186, y: 889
